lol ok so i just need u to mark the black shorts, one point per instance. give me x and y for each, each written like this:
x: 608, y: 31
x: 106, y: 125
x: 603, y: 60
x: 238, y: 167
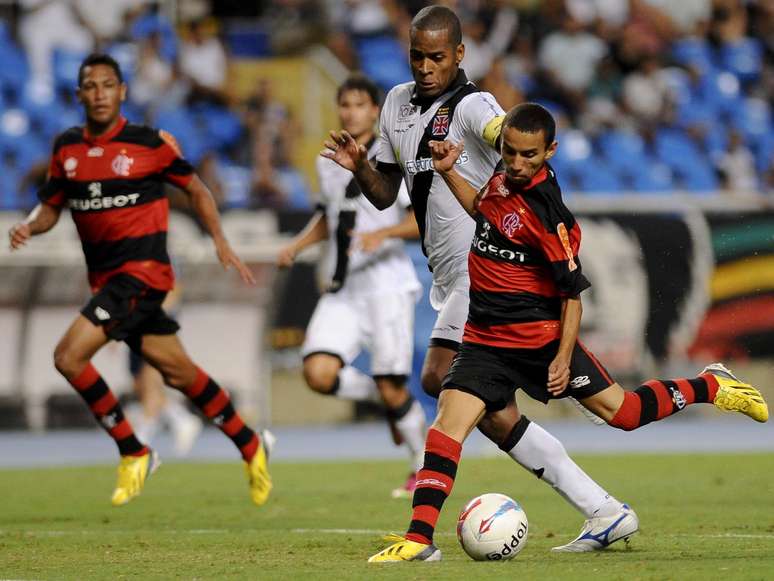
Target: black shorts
x: 126, y: 308
x: 493, y: 374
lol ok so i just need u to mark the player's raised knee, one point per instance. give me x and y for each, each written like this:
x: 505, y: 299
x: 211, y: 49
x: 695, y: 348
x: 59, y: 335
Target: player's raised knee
x: 321, y: 377
x: 67, y: 362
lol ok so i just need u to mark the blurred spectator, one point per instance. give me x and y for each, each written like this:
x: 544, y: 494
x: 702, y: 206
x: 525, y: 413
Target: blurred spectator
x: 737, y: 166
x: 203, y: 62
x: 484, y: 44
x: 569, y: 59
x: 645, y: 91
x: 48, y: 25
x: 271, y: 130
x: 156, y: 84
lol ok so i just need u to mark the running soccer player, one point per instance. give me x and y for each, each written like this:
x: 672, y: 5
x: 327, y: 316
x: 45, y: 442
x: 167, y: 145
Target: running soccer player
x: 441, y: 103
x: 371, y: 290
x: 110, y: 174
x: 522, y: 329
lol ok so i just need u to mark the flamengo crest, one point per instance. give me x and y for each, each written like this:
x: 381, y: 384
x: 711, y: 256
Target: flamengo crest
x: 121, y: 164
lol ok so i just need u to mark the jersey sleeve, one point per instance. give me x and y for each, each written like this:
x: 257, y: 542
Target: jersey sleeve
x: 174, y: 167
x: 52, y: 191
x: 384, y: 151
x: 320, y: 199
x: 482, y: 117
x: 560, y: 246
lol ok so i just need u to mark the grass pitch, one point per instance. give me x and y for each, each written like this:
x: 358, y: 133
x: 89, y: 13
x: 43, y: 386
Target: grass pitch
x: 702, y: 517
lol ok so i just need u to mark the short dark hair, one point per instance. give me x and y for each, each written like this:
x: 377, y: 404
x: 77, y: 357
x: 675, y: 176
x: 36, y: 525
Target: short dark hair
x: 98, y: 58
x: 531, y: 118
x: 439, y: 18
x: 359, y: 82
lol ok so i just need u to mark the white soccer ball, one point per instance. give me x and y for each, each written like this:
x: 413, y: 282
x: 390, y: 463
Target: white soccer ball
x: 492, y: 527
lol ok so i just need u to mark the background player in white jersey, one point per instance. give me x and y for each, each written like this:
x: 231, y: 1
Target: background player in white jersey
x: 441, y: 104
x: 371, y: 287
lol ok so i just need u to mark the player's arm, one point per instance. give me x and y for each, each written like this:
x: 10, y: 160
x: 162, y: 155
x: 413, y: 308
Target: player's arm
x: 559, y: 369
x: 406, y: 229
x: 41, y: 219
x: 204, y: 205
x: 315, y: 231
x: 379, y: 186
x: 445, y: 155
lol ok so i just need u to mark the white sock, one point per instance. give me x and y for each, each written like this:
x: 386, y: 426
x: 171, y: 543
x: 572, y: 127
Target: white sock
x: 413, y: 428
x: 545, y: 456
x: 356, y: 385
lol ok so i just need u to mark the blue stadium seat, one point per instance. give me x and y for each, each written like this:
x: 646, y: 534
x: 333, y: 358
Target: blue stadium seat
x: 744, y: 58
x: 221, y: 125
x: 764, y: 152
x: 675, y: 148
x: 152, y: 22
x: 653, y: 177
x: 575, y: 150
x: 600, y: 178
x: 236, y: 181
x: 698, y: 177
x: 15, y: 70
x: 384, y: 60
x: 622, y: 149
x: 693, y: 51
x: 716, y: 141
x: 752, y: 118
x: 294, y: 185
x: 182, y: 125
x: 720, y: 90
x: 125, y: 54
x: 65, y: 67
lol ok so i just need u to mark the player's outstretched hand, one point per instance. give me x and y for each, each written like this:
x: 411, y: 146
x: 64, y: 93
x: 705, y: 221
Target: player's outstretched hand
x: 18, y: 235
x: 287, y: 256
x: 558, y: 376
x: 370, y: 241
x: 228, y: 258
x: 344, y: 150
x: 445, y: 154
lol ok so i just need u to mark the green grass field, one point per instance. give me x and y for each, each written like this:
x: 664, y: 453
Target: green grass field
x: 702, y: 517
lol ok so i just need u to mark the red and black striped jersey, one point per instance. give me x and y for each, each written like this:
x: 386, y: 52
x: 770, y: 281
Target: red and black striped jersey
x: 114, y: 187
x: 522, y: 262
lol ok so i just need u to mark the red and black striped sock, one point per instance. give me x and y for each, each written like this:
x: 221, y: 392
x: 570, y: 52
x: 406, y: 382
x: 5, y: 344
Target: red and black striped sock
x: 105, y: 407
x: 215, y: 403
x: 434, y: 484
x: 657, y: 399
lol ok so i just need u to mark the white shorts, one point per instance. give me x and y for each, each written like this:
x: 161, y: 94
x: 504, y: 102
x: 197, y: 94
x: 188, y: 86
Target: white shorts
x: 452, y: 303
x: 343, y: 325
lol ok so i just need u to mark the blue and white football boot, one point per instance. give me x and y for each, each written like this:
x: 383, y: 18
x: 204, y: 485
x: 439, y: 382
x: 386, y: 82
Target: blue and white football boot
x: 600, y: 532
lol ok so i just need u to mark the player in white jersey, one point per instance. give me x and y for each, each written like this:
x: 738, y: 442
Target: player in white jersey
x: 371, y: 287
x: 441, y: 104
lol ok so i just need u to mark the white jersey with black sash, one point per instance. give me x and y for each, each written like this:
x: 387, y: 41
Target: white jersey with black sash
x: 406, y: 126
x: 346, y: 267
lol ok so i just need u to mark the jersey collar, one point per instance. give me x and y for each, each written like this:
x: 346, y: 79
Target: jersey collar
x: 105, y: 137
x: 538, y: 178
x: 425, y: 102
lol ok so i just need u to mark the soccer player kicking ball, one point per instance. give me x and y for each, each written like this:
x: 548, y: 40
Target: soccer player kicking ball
x: 111, y: 174
x: 523, y: 323
x: 371, y: 287
x: 442, y: 104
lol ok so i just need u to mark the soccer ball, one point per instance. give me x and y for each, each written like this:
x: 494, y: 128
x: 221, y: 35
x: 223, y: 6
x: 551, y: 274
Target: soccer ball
x: 492, y: 527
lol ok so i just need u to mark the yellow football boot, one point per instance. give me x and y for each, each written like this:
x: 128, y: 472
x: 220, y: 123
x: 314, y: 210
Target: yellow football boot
x: 258, y: 469
x: 736, y: 396
x: 402, y: 549
x: 133, y: 471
